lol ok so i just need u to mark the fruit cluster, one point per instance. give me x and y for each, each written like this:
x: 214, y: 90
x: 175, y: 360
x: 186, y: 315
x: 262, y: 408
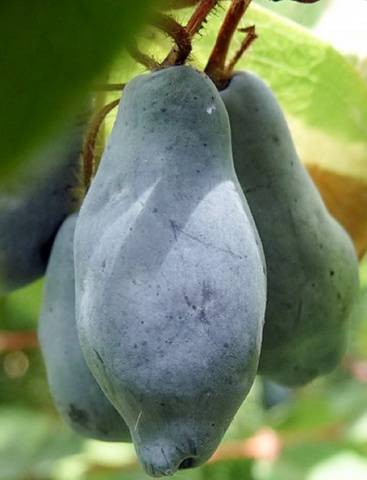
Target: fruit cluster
x: 201, y: 256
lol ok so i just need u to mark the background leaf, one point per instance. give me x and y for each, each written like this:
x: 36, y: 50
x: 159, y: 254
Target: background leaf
x: 51, y: 53
x: 304, y: 14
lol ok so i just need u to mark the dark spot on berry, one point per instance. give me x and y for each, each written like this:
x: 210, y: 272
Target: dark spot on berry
x: 98, y: 356
x: 77, y: 415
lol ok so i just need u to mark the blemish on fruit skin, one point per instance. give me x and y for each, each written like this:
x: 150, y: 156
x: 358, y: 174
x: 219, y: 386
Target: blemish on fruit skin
x: 77, y: 415
x: 138, y: 420
x: 187, y: 300
x: 98, y: 356
x: 211, y: 109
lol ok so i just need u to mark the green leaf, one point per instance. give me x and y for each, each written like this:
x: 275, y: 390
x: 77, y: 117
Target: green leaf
x: 313, y: 461
x: 51, y: 53
x: 341, y: 466
x: 301, y: 13
x: 312, y: 79
x: 31, y: 443
x: 20, y: 309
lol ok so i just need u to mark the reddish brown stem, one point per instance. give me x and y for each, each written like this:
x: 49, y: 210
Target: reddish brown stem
x: 216, y: 64
x: 90, y: 141
x: 199, y: 16
x: 10, y: 341
x: 176, y: 31
x: 175, y: 56
x: 142, y: 58
x: 251, y: 36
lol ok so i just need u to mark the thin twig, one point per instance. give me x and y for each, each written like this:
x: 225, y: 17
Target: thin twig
x: 251, y: 36
x: 175, y: 56
x: 90, y: 141
x: 199, y: 16
x: 176, y: 31
x: 11, y: 341
x: 216, y: 64
x: 142, y: 58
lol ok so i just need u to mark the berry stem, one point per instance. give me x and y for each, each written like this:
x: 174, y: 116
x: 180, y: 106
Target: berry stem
x: 216, y: 64
x: 176, y: 56
x: 90, y: 141
x: 142, y: 58
x: 199, y: 16
x: 250, y: 37
x: 176, y: 31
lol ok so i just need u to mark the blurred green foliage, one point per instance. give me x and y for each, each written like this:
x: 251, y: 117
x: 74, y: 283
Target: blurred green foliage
x: 303, y: 14
x: 51, y: 53
x: 322, y: 428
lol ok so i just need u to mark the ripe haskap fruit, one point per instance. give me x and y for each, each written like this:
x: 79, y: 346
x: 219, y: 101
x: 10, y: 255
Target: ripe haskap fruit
x: 76, y: 393
x: 311, y: 264
x: 31, y: 213
x: 170, y: 281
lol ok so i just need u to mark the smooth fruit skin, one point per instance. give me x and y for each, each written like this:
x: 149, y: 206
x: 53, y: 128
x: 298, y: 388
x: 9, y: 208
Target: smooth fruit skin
x: 76, y: 393
x: 32, y: 212
x: 311, y: 263
x: 170, y: 281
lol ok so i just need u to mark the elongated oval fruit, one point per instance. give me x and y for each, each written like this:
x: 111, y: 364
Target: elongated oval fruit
x: 76, y: 393
x: 32, y: 211
x: 170, y: 281
x: 311, y: 263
